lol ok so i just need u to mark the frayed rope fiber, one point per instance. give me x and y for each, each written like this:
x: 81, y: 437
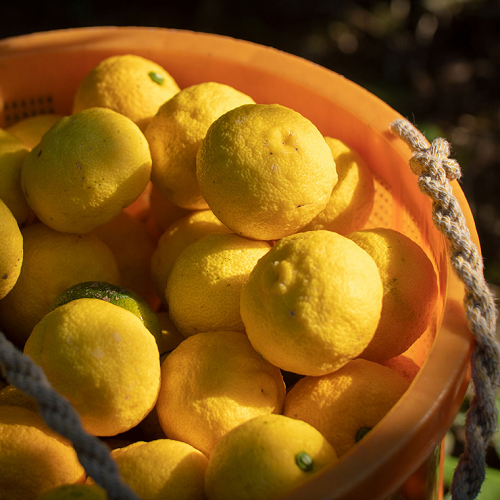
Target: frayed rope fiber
x: 60, y: 416
x: 435, y: 170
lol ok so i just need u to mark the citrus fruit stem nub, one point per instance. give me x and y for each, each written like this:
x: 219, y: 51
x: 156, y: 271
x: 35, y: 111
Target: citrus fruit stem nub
x: 304, y: 461
x: 156, y: 77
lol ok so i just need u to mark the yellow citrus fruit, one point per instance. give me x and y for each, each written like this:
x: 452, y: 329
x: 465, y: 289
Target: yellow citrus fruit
x: 351, y: 201
x: 265, y: 458
x: 211, y: 383
x: 85, y: 170
x: 75, y: 492
x: 103, y: 359
x: 163, y: 468
x: 175, y: 134
x: 204, y: 287
x: 128, y: 84
x: 176, y: 238
x: 34, y: 459
x: 30, y: 130
x: 11, y: 395
x: 312, y: 303
x: 133, y: 246
x: 346, y: 404
x: 12, y: 155
x: 114, y: 294
x: 410, y: 290
x: 11, y: 253
x: 265, y: 170
x: 52, y: 262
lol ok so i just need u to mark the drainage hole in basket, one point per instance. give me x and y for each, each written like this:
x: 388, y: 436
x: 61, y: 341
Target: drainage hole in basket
x: 17, y: 109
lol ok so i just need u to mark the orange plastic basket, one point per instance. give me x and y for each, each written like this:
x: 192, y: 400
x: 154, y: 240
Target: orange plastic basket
x: 40, y: 72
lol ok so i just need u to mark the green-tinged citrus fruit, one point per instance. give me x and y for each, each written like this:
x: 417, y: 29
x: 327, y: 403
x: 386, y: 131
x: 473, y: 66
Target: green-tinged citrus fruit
x: 85, y: 170
x: 114, y: 294
x: 52, y: 262
x: 102, y: 359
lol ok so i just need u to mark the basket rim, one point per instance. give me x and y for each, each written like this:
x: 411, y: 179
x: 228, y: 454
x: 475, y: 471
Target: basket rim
x: 437, y: 391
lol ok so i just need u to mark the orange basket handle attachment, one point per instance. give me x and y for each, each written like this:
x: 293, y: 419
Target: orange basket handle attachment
x: 60, y: 416
x: 435, y: 170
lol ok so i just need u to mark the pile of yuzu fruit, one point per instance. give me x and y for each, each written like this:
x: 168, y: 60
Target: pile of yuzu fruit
x: 197, y: 273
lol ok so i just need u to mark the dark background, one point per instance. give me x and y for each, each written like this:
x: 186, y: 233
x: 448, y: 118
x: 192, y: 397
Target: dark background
x: 437, y: 62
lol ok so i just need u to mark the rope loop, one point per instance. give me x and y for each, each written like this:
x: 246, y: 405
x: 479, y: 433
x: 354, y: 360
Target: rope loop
x: 435, y: 170
x: 435, y: 162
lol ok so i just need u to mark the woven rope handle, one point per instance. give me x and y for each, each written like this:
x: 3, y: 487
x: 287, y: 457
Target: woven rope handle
x: 60, y: 416
x: 435, y: 170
